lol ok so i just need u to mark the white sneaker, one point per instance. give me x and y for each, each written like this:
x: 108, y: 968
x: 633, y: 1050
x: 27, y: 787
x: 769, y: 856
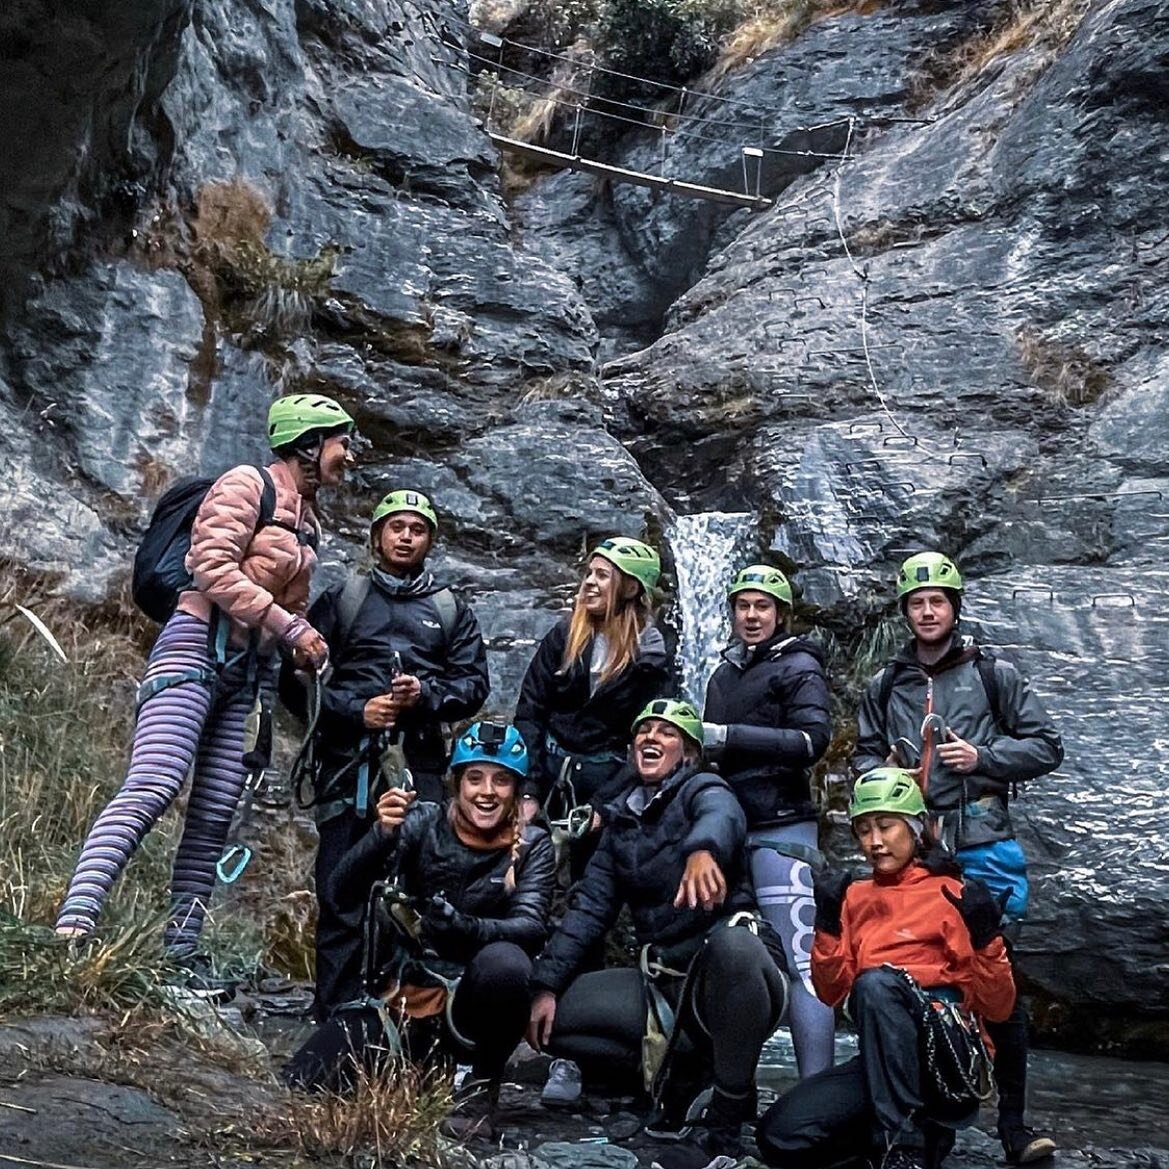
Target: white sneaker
x: 562, y: 1088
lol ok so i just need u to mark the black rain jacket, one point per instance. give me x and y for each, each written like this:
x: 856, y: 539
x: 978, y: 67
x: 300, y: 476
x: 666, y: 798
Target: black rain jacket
x: 428, y: 858
x: 453, y: 674
x: 773, y: 699
x: 648, y: 837
x: 555, y: 701
x: 1025, y: 746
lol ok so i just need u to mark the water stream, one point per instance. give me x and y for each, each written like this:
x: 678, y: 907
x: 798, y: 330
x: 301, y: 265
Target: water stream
x: 708, y: 548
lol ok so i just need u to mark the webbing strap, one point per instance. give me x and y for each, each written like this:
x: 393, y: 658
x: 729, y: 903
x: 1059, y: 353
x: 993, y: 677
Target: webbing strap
x: 152, y: 686
x: 793, y: 849
x: 361, y: 797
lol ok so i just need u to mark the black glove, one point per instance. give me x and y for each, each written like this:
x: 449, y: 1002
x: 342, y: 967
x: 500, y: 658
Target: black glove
x: 981, y: 910
x: 442, y: 920
x: 829, y: 888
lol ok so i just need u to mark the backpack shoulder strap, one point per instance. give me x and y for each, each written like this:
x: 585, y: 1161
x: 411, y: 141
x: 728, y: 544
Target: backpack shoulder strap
x: 984, y: 663
x: 888, y: 680
x: 448, y: 611
x: 349, y: 604
x: 267, y: 500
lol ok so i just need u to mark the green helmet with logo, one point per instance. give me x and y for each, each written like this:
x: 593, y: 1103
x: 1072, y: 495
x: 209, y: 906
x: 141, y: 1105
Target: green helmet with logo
x: 297, y: 414
x: 406, y: 500
x: 631, y: 557
x: 928, y: 570
x: 761, y: 578
x: 886, y: 789
x: 679, y: 714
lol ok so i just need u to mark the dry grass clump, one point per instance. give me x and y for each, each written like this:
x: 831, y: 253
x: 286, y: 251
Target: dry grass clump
x: 391, y: 1115
x: 1065, y: 373
x: 1044, y: 25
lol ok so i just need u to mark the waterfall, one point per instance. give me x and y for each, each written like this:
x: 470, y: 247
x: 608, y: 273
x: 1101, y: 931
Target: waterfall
x: 707, y: 548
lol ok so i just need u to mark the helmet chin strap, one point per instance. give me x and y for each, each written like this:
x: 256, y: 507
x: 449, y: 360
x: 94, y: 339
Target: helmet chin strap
x: 310, y: 467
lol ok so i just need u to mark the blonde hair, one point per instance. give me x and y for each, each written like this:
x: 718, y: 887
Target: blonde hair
x: 625, y: 618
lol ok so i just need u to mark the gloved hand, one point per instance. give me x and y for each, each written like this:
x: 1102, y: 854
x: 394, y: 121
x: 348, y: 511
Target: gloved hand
x: 828, y: 888
x: 714, y: 736
x: 981, y: 910
x: 309, y: 648
x: 441, y: 919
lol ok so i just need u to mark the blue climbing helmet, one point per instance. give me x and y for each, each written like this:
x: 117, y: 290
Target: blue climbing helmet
x: 488, y: 742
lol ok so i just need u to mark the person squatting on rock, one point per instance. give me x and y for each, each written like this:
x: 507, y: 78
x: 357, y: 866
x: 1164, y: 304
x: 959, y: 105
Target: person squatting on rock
x: 459, y: 894
x: 591, y: 674
x: 912, y: 951
x: 673, y: 851
x: 766, y: 722
x: 972, y: 729
x: 407, y: 656
x: 213, y: 659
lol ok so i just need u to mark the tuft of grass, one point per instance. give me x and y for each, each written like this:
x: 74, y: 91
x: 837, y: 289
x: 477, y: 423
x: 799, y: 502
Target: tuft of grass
x: 1043, y: 25
x: 1065, y: 373
x: 391, y: 1115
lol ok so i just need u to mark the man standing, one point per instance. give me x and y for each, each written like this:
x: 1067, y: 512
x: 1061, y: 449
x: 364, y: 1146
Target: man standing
x: 970, y: 728
x: 407, y: 657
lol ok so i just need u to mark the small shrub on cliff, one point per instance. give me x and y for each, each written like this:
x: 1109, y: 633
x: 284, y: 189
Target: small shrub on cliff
x: 1065, y: 373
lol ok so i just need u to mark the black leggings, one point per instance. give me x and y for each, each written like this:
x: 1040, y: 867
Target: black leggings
x: 1011, y: 1045
x: 737, y: 998
x: 490, y: 1010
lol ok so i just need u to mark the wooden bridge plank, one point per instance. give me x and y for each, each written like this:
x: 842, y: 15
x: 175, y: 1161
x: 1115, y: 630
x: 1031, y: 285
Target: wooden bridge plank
x: 619, y: 174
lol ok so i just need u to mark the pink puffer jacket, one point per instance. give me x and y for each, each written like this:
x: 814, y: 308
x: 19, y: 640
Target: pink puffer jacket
x: 259, y: 578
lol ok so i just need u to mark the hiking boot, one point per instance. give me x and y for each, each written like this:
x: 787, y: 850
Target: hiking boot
x: 1022, y: 1145
x: 562, y: 1088
x: 473, y: 1115
x: 673, y: 1119
x: 716, y: 1140
x: 902, y: 1157
x: 195, y: 975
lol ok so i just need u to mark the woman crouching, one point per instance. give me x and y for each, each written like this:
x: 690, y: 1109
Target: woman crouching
x: 673, y: 851
x: 919, y: 956
x: 456, y: 899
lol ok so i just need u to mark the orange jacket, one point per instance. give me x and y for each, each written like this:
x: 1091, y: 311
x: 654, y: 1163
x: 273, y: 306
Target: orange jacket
x: 259, y: 578
x: 904, y: 920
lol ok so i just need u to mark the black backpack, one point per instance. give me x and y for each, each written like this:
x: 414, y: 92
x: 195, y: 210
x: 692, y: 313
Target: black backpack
x: 160, y: 571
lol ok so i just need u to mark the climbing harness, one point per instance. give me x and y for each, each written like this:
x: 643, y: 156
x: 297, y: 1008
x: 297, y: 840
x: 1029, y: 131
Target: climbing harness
x: 954, y: 1054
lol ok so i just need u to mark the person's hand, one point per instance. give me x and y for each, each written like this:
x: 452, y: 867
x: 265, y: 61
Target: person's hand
x: 828, y: 888
x: 380, y: 712
x: 440, y: 918
x: 392, y: 808
x: 529, y: 809
x: 981, y: 911
x: 541, y: 1020
x: 702, y: 883
x: 406, y: 690
x: 957, y: 754
x: 309, y: 649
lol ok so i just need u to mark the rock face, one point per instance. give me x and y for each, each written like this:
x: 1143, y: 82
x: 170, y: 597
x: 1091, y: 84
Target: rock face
x: 953, y: 338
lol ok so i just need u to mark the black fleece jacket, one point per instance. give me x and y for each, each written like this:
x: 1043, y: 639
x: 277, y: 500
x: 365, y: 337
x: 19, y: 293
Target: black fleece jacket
x: 773, y: 701
x: 556, y: 701
x: 648, y: 837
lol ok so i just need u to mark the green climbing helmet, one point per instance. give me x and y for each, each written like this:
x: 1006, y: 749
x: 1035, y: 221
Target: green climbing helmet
x: 886, y: 789
x: 297, y: 414
x: 761, y: 578
x: 928, y: 570
x: 406, y: 500
x: 679, y: 714
x: 631, y: 557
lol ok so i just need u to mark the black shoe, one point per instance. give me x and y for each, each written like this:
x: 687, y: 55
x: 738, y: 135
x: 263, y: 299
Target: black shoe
x: 195, y: 975
x: 473, y: 1115
x: 715, y: 1141
x: 1024, y: 1146
x: 673, y: 1120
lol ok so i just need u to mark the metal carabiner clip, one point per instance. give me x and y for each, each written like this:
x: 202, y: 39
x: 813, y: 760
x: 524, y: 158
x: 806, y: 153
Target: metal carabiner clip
x: 230, y: 867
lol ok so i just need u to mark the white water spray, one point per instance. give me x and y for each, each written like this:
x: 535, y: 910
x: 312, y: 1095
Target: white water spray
x: 708, y: 548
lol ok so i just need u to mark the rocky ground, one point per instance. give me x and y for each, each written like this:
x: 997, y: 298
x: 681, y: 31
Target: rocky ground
x: 84, y: 1094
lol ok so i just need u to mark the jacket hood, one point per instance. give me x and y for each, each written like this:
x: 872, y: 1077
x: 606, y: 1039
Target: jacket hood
x: 771, y: 650
x: 963, y: 647
x: 422, y: 584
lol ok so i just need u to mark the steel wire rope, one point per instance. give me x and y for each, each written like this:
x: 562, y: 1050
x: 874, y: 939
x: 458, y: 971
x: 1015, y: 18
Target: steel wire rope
x: 683, y: 135
x: 679, y: 89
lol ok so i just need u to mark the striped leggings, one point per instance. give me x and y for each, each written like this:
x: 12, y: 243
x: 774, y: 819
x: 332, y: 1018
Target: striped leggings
x: 185, y: 729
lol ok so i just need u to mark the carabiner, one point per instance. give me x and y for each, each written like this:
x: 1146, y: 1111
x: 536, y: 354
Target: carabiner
x: 230, y: 867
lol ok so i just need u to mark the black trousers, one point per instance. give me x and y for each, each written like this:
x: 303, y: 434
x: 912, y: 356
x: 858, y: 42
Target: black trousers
x: 339, y: 940
x: 875, y: 1101
x: 737, y: 998
x: 1011, y: 1045
x: 490, y: 1012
